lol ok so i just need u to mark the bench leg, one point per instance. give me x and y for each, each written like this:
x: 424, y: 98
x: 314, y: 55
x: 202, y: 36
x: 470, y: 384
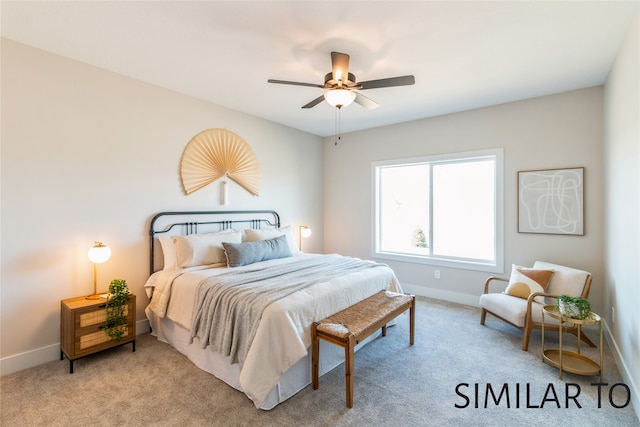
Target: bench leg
x: 412, y: 320
x: 348, y: 368
x: 315, y: 355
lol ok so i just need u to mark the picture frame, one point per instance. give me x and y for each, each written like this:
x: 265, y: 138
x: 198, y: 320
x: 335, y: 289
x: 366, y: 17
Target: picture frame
x: 551, y: 201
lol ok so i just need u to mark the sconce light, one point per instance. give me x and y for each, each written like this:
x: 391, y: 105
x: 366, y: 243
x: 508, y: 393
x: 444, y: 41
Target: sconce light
x: 305, y: 232
x: 98, y: 254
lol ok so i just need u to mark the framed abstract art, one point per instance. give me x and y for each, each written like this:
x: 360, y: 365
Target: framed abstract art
x: 551, y: 201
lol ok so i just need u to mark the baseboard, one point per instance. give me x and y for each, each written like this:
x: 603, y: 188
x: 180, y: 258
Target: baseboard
x: 627, y: 378
x: 440, y: 294
x: 39, y: 356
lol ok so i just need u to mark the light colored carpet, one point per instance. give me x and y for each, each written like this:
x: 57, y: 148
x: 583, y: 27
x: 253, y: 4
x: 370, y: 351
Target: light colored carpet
x: 395, y: 385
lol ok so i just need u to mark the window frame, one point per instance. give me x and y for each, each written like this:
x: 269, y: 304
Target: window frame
x: 460, y: 157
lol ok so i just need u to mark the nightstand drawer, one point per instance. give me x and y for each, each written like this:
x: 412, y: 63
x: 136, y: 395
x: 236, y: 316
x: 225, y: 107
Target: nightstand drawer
x: 87, y: 341
x: 95, y: 317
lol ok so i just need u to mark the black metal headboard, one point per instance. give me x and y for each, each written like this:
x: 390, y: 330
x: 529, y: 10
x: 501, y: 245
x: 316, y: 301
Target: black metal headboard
x: 194, y: 222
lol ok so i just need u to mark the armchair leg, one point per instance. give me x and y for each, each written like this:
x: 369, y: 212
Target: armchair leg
x: 483, y: 316
x: 525, y: 337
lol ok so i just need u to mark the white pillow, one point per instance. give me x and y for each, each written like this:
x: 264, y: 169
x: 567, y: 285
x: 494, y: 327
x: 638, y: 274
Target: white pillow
x: 169, y: 252
x: 203, y: 249
x: 271, y: 233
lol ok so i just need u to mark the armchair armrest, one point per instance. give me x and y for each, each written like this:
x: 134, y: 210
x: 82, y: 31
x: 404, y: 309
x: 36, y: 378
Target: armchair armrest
x: 532, y: 297
x: 540, y: 294
x: 490, y: 279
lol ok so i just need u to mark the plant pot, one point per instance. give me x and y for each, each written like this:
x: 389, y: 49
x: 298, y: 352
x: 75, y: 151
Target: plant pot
x: 572, y: 310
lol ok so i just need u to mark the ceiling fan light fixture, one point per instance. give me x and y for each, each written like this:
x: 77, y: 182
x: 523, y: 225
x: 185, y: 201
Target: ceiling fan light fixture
x: 339, y: 97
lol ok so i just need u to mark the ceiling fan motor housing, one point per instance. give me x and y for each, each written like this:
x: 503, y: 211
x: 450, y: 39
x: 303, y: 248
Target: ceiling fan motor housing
x: 329, y: 83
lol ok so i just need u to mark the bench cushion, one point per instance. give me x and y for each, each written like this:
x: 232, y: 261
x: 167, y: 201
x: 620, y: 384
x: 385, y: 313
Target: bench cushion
x: 357, y: 318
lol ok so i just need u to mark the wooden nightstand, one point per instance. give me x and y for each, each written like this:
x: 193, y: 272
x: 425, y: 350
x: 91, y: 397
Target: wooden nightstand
x: 82, y: 328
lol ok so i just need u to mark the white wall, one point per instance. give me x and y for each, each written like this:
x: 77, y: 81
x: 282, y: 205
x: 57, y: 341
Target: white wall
x: 557, y: 131
x: 622, y: 177
x: 91, y: 155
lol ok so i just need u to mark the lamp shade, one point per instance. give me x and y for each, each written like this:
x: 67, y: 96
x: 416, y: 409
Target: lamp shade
x: 339, y: 97
x: 99, y: 253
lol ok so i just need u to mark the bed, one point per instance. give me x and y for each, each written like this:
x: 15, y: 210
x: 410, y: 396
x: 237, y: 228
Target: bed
x: 232, y: 292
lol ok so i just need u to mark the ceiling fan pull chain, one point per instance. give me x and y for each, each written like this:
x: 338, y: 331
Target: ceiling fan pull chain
x: 337, y: 135
x: 337, y: 125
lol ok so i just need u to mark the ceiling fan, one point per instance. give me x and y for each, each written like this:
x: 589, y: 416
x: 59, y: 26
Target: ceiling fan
x: 341, y: 85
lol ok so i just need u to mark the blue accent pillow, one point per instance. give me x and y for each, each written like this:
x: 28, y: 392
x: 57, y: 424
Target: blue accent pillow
x: 239, y: 254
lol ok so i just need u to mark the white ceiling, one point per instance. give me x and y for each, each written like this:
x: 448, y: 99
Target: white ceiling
x: 464, y: 55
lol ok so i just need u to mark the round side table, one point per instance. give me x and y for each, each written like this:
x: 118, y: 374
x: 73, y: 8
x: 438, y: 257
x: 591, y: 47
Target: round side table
x: 571, y: 361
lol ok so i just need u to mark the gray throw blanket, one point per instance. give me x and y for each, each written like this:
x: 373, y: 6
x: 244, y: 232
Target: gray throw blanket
x: 228, y: 307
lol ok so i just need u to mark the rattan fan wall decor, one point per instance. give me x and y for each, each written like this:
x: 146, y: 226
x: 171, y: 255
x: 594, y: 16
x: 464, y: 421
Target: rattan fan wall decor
x: 218, y: 153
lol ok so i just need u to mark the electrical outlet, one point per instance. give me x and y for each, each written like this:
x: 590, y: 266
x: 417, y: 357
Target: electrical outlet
x: 436, y: 274
x: 613, y: 314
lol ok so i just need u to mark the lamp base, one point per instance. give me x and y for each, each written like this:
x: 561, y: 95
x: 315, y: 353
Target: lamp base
x: 94, y: 296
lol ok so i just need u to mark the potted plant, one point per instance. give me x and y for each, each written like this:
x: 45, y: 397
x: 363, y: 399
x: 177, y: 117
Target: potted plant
x: 116, y: 321
x: 574, y: 307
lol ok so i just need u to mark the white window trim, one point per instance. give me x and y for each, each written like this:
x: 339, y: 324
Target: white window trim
x: 431, y: 260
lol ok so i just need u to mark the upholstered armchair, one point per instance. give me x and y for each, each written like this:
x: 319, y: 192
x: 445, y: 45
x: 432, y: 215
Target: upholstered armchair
x: 523, y: 309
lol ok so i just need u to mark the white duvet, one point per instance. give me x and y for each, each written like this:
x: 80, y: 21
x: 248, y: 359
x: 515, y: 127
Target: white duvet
x: 283, y: 336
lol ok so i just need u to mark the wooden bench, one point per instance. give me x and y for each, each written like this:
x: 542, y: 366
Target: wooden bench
x: 355, y: 323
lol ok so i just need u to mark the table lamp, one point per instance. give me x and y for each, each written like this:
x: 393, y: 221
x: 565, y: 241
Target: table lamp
x: 98, y: 254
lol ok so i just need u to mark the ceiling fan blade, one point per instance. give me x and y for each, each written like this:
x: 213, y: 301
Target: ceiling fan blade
x: 339, y: 66
x: 315, y: 102
x: 367, y: 103
x: 389, y: 82
x: 286, y: 82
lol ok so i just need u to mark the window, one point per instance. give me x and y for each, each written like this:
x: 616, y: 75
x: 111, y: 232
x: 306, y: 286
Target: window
x: 440, y: 210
